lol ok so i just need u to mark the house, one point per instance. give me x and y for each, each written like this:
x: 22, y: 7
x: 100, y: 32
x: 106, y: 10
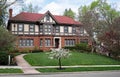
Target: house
x: 45, y: 31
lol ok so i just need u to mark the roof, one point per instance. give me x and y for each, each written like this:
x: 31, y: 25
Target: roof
x: 34, y: 17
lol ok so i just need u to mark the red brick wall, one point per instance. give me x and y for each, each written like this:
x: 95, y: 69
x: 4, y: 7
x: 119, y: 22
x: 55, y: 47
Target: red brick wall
x: 37, y: 41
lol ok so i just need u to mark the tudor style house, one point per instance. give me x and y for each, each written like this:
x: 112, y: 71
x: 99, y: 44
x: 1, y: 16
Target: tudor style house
x: 45, y: 31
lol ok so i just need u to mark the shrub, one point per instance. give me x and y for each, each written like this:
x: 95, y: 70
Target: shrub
x: 3, y: 58
x: 83, y: 47
x: 38, y: 50
x: 70, y: 47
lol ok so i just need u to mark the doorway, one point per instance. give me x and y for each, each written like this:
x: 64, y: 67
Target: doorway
x: 57, y: 42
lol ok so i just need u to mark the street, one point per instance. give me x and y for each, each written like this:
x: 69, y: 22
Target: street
x: 74, y: 74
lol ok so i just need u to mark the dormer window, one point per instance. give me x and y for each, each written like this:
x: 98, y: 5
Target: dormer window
x: 47, y: 17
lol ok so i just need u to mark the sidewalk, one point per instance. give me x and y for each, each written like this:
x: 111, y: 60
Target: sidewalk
x: 26, y: 67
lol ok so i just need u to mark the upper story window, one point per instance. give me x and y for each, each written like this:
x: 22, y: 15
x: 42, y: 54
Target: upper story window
x: 47, y: 28
x: 32, y: 28
x: 66, y: 29
x: 20, y: 27
x: 81, y: 30
x: 47, y: 17
x: 73, y: 29
x: 57, y: 29
x: 41, y: 28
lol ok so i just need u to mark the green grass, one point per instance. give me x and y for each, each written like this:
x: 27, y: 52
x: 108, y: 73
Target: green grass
x: 78, y: 69
x: 10, y: 71
x: 77, y: 58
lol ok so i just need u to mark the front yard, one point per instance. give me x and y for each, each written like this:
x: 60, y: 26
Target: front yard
x: 77, y: 58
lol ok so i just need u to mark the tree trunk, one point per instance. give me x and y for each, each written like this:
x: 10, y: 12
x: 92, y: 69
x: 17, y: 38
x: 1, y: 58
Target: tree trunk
x: 60, y: 65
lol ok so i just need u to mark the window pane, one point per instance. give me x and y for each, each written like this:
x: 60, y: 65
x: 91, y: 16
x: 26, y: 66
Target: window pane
x: 31, y: 28
x: 20, y: 27
x: 66, y: 29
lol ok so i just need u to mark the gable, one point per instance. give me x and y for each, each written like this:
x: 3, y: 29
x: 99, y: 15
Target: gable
x: 47, y: 19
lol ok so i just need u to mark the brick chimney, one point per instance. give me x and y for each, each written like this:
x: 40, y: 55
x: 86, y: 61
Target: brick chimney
x: 10, y: 13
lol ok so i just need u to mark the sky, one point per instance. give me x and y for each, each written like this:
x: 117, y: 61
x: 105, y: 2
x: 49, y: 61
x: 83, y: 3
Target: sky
x: 57, y: 7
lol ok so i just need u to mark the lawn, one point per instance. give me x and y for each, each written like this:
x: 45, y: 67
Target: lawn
x: 78, y: 69
x: 10, y: 71
x: 77, y: 58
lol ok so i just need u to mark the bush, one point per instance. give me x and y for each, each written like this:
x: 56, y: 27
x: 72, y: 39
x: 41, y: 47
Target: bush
x: 83, y: 47
x: 70, y: 47
x: 3, y: 58
x: 36, y: 51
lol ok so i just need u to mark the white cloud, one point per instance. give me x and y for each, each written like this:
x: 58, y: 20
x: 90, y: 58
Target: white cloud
x: 58, y: 6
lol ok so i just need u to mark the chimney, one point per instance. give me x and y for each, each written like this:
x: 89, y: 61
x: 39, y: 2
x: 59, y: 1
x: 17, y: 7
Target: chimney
x: 10, y: 13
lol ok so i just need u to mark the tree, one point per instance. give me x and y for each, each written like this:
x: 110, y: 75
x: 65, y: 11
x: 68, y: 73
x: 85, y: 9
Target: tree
x: 96, y: 17
x: 4, y: 4
x: 111, y: 38
x: 69, y: 13
x: 59, y: 54
x: 30, y: 8
x: 7, y: 44
x: 7, y: 40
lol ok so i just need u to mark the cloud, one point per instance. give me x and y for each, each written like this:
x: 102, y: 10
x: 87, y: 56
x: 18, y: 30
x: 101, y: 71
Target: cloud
x: 58, y: 6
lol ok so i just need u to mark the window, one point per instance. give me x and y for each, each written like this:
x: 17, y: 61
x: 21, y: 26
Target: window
x: 81, y: 30
x: 66, y: 29
x: 47, y: 17
x: 32, y: 28
x: 41, y: 28
x: 57, y: 29
x: 73, y: 29
x: 47, y: 42
x: 20, y: 27
x: 84, y: 41
x: 26, y: 42
x: 69, y: 42
x: 47, y: 28
x: 41, y: 42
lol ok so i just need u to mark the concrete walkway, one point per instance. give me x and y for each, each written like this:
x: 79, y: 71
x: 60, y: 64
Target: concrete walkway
x: 25, y: 66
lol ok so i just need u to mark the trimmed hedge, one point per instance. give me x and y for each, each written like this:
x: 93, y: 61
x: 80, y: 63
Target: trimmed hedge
x: 82, y: 47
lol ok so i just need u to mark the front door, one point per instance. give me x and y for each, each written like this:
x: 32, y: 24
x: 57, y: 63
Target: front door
x: 56, y: 42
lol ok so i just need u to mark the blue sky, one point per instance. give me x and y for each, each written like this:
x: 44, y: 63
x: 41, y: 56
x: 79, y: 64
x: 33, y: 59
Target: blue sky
x: 58, y: 6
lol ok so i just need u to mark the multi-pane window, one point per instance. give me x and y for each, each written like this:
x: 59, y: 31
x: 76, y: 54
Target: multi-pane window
x: 66, y: 29
x: 84, y: 41
x: 47, y: 17
x: 47, y: 42
x: 69, y: 42
x: 41, y: 42
x: 20, y: 27
x: 41, y: 28
x: 47, y: 28
x: 73, y: 29
x: 26, y: 42
x: 57, y: 29
x: 32, y: 28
